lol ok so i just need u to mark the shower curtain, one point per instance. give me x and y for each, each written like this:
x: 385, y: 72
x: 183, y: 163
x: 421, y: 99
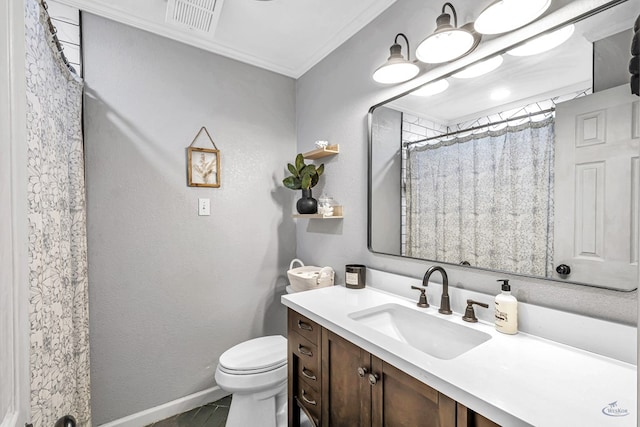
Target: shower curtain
x: 58, y: 313
x: 485, y: 199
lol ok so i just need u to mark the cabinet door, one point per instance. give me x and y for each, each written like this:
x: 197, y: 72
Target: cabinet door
x: 398, y: 399
x: 467, y: 418
x: 346, y: 395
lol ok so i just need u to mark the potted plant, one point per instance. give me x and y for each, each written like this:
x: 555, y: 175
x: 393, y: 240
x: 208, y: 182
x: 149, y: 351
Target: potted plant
x: 304, y: 177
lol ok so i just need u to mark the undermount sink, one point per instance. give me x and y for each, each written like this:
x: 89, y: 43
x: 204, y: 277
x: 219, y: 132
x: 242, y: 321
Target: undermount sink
x: 430, y: 334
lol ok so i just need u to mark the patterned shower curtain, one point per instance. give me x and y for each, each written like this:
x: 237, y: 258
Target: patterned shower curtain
x: 485, y: 199
x: 58, y: 314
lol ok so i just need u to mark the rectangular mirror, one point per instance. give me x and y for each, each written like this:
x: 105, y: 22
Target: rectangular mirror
x: 531, y: 169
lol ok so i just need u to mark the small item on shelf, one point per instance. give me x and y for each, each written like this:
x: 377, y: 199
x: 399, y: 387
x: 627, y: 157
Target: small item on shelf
x: 322, y: 144
x: 326, y: 205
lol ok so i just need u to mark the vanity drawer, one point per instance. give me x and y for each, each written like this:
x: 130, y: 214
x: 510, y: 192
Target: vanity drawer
x: 308, y: 400
x: 309, y: 371
x: 306, y: 351
x: 303, y: 326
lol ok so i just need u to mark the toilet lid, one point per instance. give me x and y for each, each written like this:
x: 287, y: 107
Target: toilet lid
x: 256, y: 355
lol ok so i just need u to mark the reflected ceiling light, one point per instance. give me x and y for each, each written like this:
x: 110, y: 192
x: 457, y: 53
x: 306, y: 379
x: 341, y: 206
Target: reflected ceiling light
x: 544, y: 43
x: 480, y: 68
x: 500, y: 94
x: 396, y: 69
x: 432, y: 88
x: 447, y: 42
x: 507, y: 15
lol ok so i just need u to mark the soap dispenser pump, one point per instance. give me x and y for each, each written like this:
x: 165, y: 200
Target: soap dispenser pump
x: 506, y: 310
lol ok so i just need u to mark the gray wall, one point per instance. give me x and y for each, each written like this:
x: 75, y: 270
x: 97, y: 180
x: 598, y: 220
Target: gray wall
x: 333, y: 99
x: 611, y: 57
x: 386, y: 170
x: 169, y: 290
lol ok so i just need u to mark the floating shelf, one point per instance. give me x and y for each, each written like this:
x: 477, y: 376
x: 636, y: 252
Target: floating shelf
x: 329, y: 150
x: 337, y: 214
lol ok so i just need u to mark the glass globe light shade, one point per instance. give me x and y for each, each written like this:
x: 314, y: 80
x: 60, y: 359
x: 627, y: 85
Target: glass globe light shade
x: 445, y: 46
x: 431, y: 89
x: 544, y: 42
x: 502, y: 16
x: 396, y: 69
x: 480, y: 68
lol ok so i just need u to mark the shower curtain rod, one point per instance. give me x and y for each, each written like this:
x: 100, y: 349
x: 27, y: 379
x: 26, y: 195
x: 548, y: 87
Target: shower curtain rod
x: 524, y: 116
x: 53, y: 30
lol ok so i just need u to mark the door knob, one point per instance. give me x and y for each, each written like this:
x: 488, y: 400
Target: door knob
x: 373, y: 379
x: 563, y: 270
x: 362, y: 372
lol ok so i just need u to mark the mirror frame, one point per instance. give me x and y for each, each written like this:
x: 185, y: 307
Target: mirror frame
x: 575, y: 19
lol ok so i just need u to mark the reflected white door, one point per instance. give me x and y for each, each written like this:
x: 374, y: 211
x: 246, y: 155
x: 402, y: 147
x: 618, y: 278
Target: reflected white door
x: 597, y: 177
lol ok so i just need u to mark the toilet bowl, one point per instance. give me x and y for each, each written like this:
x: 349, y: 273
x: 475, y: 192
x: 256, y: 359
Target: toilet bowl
x: 255, y: 372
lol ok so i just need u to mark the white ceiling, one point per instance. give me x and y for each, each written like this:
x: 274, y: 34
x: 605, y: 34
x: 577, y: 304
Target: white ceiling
x: 285, y: 36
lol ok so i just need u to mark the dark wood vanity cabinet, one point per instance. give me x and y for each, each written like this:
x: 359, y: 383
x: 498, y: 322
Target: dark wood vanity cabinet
x: 338, y: 384
x: 304, y: 369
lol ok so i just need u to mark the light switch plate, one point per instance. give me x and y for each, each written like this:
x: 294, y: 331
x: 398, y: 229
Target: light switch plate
x: 204, y: 207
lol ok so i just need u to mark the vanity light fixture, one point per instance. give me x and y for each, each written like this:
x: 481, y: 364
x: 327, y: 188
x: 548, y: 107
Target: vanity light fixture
x: 544, y: 42
x: 448, y: 42
x: 397, y: 69
x: 502, y: 16
x: 431, y: 89
x: 480, y: 68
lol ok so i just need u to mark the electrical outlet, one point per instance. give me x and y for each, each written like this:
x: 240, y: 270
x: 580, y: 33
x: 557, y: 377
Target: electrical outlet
x: 204, y: 207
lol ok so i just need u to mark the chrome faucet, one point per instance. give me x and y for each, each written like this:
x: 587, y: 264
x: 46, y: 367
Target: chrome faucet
x: 445, y: 307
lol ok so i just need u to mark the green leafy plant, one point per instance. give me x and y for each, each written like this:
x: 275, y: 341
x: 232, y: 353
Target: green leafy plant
x: 303, y: 176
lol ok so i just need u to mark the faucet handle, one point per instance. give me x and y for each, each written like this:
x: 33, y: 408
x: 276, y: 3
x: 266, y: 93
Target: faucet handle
x: 469, y: 314
x: 422, y: 302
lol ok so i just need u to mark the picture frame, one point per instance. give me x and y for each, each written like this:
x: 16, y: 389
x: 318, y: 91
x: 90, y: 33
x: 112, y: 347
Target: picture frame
x: 203, y: 167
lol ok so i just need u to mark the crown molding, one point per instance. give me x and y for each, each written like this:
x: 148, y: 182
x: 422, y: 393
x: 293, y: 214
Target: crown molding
x: 166, y: 30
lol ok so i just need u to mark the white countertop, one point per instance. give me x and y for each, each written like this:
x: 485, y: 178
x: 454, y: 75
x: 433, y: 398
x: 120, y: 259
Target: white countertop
x: 514, y: 380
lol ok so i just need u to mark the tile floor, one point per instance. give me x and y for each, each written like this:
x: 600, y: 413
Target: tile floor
x: 210, y: 415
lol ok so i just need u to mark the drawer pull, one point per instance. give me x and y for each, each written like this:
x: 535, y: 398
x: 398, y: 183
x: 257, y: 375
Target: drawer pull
x: 308, y: 374
x: 303, y: 350
x: 362, y: 372
x: 304, y: 326
x: 310, y: 402
x: 315, y: 421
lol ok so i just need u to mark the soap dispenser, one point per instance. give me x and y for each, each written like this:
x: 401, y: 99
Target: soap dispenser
x: 506, y: 310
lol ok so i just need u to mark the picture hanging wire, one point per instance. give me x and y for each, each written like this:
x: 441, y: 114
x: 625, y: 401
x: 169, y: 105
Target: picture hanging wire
x: 209, y: 136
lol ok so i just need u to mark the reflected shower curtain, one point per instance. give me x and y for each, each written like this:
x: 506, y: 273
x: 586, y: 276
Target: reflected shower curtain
x: 485, y: 199
x: 58, y: 313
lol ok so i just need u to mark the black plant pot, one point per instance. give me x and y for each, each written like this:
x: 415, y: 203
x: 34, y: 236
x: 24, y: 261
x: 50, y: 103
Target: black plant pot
x: 307, y: 204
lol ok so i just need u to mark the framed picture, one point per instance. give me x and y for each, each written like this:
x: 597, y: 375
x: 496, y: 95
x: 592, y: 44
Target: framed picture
x: 203, y: 167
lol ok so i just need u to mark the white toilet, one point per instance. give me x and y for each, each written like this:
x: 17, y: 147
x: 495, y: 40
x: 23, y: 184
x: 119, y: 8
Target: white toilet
x: 255, y: 371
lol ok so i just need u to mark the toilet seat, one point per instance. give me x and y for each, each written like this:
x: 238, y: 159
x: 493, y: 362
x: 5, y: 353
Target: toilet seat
x: 255, y: 356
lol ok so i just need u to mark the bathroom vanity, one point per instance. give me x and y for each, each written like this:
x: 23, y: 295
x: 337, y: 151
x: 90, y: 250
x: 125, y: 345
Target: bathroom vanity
x: 353, y: 361
x: 337, y: 383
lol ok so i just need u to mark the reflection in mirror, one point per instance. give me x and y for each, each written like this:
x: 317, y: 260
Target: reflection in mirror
x: 526, y: 163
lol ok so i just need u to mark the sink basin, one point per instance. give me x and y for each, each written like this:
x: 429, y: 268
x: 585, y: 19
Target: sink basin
x: 430, y: 334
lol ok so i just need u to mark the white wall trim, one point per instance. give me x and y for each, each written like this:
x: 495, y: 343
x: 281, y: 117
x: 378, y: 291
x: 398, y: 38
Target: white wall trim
x: 117, y: 14
x: 169, y: 409
x: 14, y: 284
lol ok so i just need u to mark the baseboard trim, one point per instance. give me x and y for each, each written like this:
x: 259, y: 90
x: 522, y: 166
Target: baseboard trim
x: 169, y: 409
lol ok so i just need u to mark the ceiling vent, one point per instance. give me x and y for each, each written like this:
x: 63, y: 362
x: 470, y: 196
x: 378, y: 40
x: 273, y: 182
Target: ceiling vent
x: 196, y: 15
